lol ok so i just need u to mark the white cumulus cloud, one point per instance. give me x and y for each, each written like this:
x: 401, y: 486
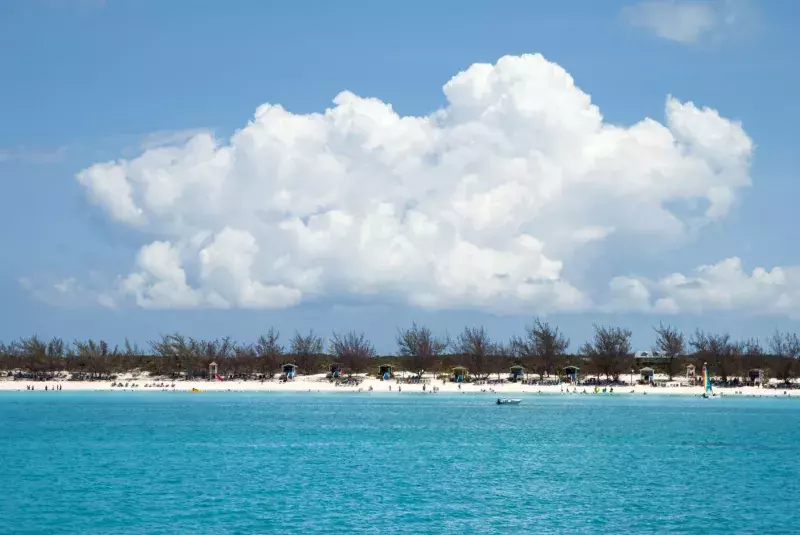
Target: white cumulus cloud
x: 721, y: 286
x: 480, y: 204
x: 690, y: 21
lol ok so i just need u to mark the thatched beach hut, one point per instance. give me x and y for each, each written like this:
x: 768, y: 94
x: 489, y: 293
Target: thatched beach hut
x: 289, y: 371
x: 385, y: 372
x: 647, y: 374
x: 691, y: 372
x: 459, y: 374
x: 571, y: 374
x: 755, y: 377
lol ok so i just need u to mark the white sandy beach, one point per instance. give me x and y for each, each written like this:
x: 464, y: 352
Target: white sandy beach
x: 319, y: 383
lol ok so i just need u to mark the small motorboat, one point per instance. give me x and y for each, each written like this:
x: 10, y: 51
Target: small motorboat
x: 507, y: 401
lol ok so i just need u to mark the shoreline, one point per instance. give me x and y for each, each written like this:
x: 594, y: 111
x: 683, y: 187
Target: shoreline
x: 316, y: 384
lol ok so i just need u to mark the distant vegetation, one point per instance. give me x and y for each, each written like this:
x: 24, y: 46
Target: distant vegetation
x: 542, y: 349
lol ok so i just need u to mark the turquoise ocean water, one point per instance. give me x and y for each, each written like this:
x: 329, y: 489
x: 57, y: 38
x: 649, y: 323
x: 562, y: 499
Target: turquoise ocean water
x: 109, y: 463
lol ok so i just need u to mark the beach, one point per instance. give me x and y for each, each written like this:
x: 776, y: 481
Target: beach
x: 320, y: 383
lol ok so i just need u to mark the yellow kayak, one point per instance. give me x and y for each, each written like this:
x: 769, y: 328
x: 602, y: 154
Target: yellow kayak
x: 195, y: 390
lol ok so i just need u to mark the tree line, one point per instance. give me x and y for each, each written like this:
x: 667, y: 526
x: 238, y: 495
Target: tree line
x: 542, y: 349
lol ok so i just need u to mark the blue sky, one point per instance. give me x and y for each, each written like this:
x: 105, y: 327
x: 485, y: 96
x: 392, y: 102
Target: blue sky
x: 86, y: 82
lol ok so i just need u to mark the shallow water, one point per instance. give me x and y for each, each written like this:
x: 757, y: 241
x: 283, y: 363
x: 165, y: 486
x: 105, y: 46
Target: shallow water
x: 363, y: 463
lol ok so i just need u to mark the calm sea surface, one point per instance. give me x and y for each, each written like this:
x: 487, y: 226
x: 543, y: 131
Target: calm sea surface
x: 109, y: 463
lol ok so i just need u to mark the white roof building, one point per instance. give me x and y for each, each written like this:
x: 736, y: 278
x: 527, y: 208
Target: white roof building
x: 650, y: 355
